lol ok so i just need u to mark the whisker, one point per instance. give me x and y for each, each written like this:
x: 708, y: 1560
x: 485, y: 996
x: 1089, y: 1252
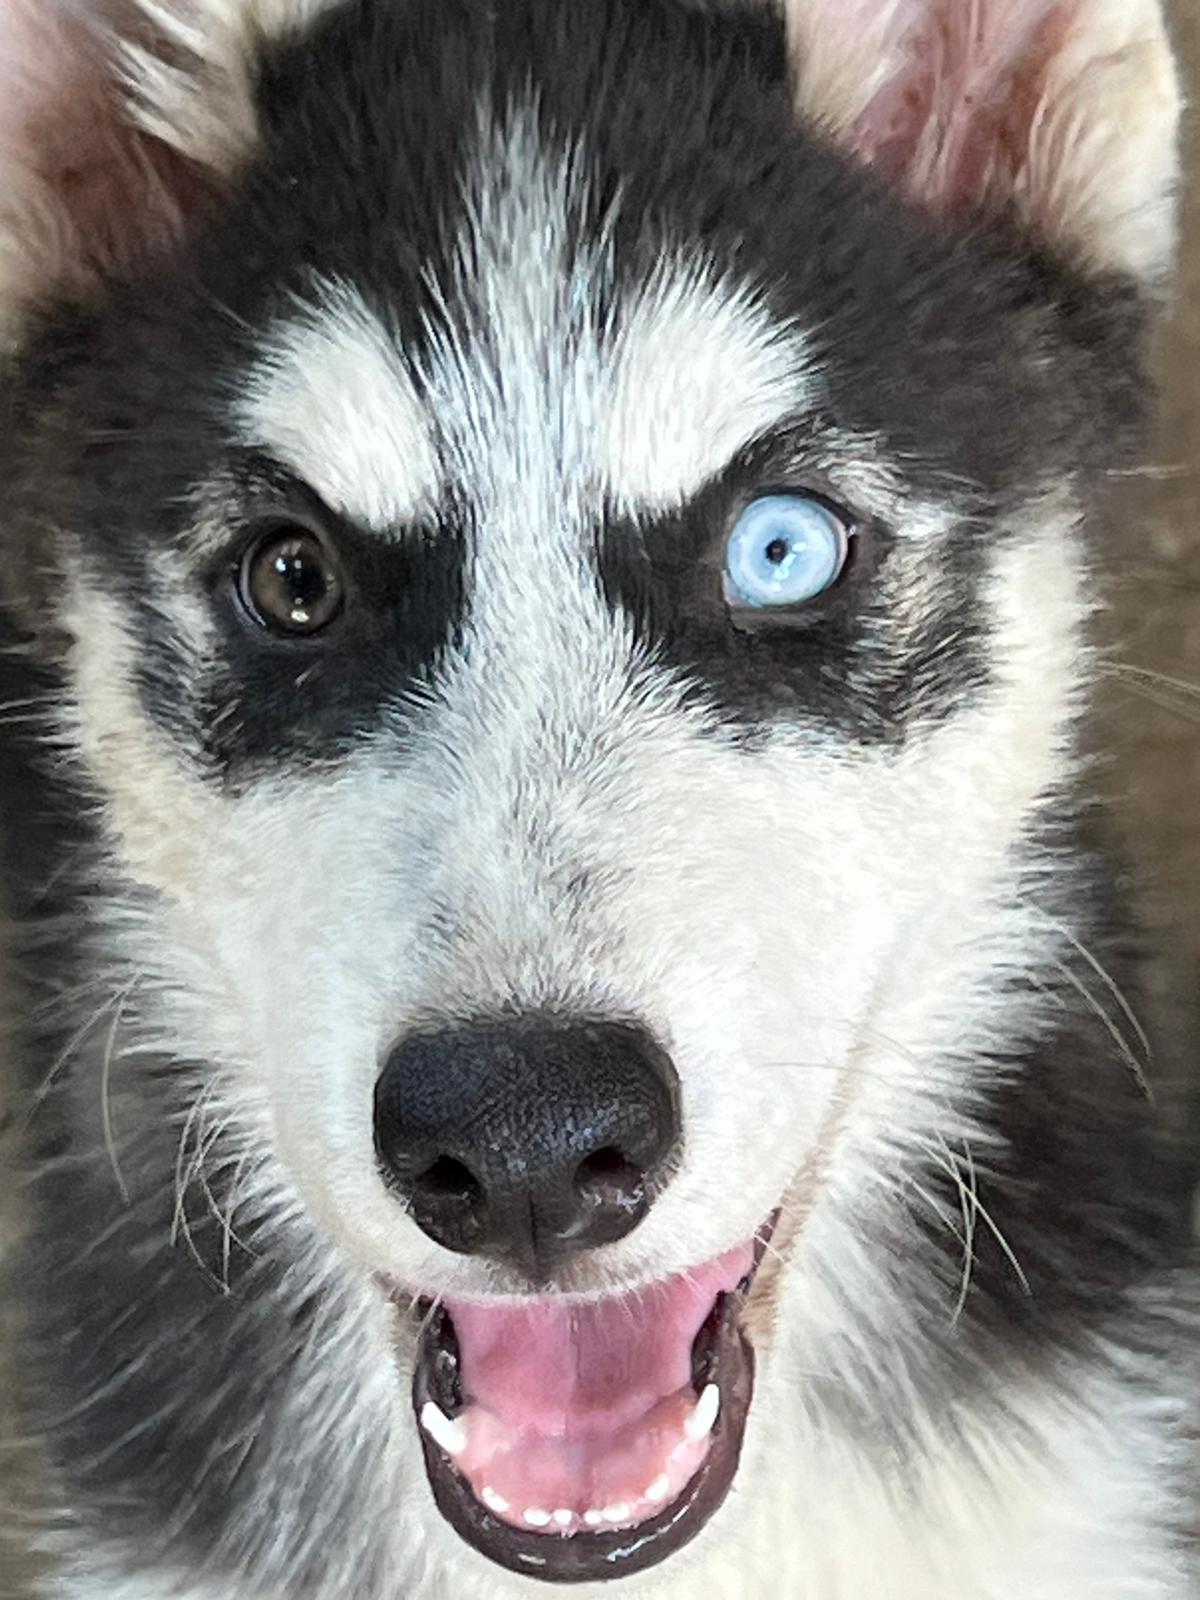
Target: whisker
x: 936, y: 1207
x: 1158, y: 472
x: 1128, y: 669
x: 950, y: 1167
x: 1176, y: 701
x: 1105, y: 977
x: 970, y: 1211
x: 110, y: 1143
x: 65, y: 1056
x: 1110, y: 1027
x: 180, y: 1222
x: 229, y: 1235
x: 197, y: 1172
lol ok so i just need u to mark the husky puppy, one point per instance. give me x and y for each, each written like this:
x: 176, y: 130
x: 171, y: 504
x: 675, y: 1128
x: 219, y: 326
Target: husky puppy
x: 569, y: 1021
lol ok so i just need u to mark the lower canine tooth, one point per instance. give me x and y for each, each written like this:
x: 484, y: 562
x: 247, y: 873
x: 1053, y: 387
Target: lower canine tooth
x: 537, y: 1518
x: 449, y: 1435
x: 700, y: 1423
x: 658, y: 1490
x: 493, y: 1501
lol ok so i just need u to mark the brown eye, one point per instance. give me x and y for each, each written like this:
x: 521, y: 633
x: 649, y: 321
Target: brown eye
x: 290, y: 583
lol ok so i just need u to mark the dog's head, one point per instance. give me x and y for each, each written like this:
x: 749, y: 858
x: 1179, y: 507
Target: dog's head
x: 560, y: 527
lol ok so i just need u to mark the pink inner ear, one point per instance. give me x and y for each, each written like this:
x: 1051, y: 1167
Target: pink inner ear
x: 85, y: 192
x: 953, y: 119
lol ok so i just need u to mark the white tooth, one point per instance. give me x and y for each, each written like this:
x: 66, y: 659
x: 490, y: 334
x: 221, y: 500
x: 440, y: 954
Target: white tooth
x: 449, y: 1435
x: 659, y: 1489
x: 593, y: 1518
x: 492, y: 1500
x: 700, y: 1422
x: 564, y: 1518
x: 616, y: 1513
x: 537, y: 1518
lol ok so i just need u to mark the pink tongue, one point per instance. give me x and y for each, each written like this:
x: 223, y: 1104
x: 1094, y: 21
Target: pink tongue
x: 574, y: 1371
x: 579, y: 1415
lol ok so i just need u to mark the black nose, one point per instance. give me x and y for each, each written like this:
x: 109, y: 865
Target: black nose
x: 528, y: 1141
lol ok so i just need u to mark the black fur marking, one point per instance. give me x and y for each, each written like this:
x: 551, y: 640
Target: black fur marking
x: 980, y: 366
x: 171, y: 1408
x: 316, y: 698
x: 855, y: 659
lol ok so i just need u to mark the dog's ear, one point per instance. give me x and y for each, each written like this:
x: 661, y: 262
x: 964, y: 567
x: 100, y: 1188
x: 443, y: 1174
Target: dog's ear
x: 1065, y: 111
x: 119, y: 120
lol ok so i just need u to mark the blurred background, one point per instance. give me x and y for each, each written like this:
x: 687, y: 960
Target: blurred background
x: 1150, y: 711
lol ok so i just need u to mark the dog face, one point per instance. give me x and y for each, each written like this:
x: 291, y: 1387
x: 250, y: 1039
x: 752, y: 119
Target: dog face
x: 564, y: 560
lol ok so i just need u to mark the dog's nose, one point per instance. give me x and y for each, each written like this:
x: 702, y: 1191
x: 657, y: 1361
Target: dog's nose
x: 528, y: 1141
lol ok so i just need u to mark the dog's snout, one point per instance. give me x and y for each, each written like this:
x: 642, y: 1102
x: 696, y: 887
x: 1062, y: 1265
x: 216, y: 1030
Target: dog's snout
x: 528, y: 1141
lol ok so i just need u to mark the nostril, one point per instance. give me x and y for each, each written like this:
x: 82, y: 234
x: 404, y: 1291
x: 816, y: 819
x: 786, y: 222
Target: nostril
x: 448, y: 1202
x: 449, y: 1183
x: 607, y: 1181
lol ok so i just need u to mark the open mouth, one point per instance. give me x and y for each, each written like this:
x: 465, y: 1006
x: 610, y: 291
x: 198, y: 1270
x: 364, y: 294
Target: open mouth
x: 577, y: 1441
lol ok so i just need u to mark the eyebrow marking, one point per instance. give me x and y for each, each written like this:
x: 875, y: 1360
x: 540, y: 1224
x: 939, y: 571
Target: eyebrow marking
x: 332, y: 399
x: 697, y: 371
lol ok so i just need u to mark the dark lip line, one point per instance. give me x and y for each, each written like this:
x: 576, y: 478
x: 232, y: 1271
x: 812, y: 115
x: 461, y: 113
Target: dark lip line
x: 593, y: 1556
x: 589, y: 1556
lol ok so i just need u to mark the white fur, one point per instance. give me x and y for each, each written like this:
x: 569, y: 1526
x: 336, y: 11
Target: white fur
x: 331, y: 398
x: 197, y: 95
x: 1099, y: 167
x: 697, y: 373
x: 93, y: 1586
x: 1103, y: 166
x: 1066, y: 1514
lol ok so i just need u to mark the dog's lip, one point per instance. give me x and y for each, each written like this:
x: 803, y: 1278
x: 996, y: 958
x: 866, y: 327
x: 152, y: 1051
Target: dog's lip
x: 587, y: 1555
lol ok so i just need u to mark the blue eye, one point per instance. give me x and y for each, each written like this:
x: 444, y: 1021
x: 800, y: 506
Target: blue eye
x: 784, y: 549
